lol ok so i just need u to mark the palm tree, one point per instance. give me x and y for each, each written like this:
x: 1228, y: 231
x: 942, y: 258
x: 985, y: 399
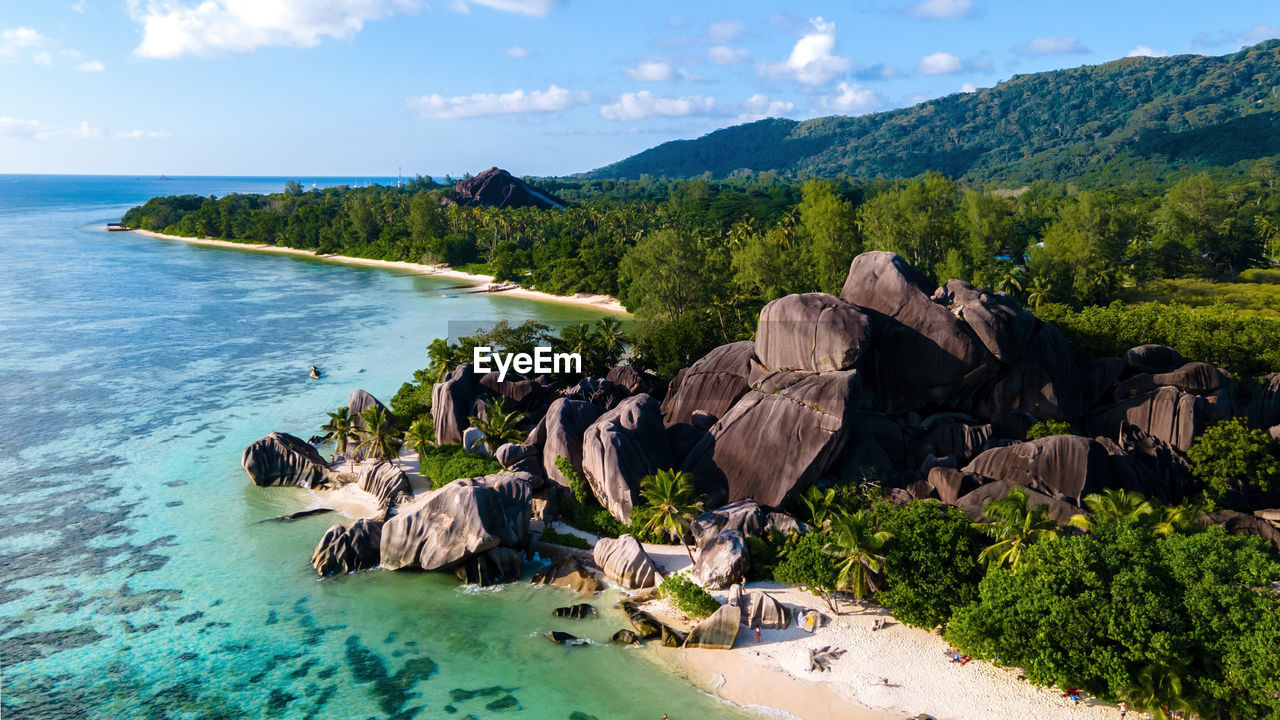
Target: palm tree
x: 1010, y: 280
x: 380, y: 438
x: 1014, y: 526
x: 339, y: 429
x: 500, y: 426
x: 1184, y: 518
x: 420, y: 435
x: 609, y: 337
x: 819, y: 504
x: 1117, y: 505
x: 440, y: 358
x: 670, y: 506
x: 854, y: 540
x: 1159, y: 692
x: 1038, y: 292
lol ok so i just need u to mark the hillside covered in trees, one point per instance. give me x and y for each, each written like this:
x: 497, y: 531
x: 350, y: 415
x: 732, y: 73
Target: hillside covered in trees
x: 1132, y: 120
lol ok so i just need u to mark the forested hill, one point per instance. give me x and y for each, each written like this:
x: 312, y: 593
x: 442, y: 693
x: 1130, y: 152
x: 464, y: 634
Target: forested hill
x: 1136, y: 119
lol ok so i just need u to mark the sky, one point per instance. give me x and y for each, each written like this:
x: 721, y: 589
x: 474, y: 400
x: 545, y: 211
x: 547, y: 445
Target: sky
x: 539, y: 87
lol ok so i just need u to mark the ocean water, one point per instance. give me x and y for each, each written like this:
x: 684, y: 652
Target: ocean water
x: 135, y: 580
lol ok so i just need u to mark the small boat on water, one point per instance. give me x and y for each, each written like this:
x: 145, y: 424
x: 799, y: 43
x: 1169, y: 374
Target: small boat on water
x: 315, y: 373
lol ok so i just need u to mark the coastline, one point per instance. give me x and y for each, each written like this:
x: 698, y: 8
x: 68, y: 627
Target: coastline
x: 598, y: 302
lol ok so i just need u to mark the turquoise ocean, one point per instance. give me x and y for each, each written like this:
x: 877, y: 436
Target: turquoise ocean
x: 135, y: 578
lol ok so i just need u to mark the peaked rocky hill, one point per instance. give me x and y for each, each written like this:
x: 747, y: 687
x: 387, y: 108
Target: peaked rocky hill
x: 497, y: 188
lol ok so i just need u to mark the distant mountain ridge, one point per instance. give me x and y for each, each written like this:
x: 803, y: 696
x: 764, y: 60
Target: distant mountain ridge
x: 1098, y: 122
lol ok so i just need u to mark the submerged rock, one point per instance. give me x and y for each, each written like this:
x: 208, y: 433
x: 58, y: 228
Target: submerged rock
x: 625, y: 562
x: 282, y: 459
x: 580, y: 611
x: 348, y: 548
x: 564, y: 638
x: 495, y: 567
x: 625, y: 637
x: 567, y: 571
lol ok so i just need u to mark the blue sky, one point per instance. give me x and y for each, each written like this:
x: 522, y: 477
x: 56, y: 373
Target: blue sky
x: 361, y: 87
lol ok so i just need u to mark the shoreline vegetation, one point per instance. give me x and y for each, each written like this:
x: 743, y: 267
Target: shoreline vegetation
x: 483, y: 283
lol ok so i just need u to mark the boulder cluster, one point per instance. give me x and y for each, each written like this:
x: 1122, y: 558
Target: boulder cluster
x: 928, y: 392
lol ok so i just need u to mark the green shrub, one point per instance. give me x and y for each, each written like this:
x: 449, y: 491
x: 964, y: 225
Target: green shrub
x: 688, y: 597
x: 1229, y: 458
x: 581, y: 489
x: 931, y: 565
x: 806, y: 564
x: 549, y: 535
x: 1046, y: 428
x: 445, y: 463
x: 1218, y: 334
x: 586, y: 514
x: 412, y: 400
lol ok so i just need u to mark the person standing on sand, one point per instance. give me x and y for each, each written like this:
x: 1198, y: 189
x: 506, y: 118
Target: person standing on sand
x: 1124, y: 709
x: 757, y: 628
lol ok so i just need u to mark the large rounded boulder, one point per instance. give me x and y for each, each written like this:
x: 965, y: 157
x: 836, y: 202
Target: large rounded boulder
x: 620, y: 448
x: 712, y: 384
x: 282, y: 459
x: 722, y: 560
x: 461, y: 520
x: 1169, y: 414
x: 561, y: 432
x: 451, y: 403
x: 385, y: 481
x: 625, y: 562
x: 358, y: 402
x: 1063, y: 466
x: 348, y: 548
x: 813, y: 332
x: 780, y: 437
x: 921, y: 353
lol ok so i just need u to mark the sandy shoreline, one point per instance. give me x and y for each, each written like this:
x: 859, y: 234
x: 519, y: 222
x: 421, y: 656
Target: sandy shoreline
x: 893, y: 673
x: 599, y: 302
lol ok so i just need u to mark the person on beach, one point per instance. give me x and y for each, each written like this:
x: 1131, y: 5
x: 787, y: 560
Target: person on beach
x: 1124, y: 709
x: 757, y: 628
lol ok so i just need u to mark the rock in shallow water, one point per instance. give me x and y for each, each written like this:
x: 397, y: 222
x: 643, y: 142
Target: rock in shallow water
x: 567, y: 571
x: 348, y: 548
x: 282, y: 459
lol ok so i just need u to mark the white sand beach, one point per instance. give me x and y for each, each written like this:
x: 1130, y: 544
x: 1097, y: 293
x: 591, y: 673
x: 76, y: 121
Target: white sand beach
x: 482, y: 282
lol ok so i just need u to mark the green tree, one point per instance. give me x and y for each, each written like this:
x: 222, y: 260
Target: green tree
x: 500, y: 425
x: 669, y: 505
x: 1158, y: 691
x: 918, y: 221
x: 830, y: 223
x: 339, y: 430
x: 380, y: 438
x: 806, y: 563
x: 420, y: 435
x: 664, y: 275
x: 931, y: 566
x: 1234, y: 462
x: 856, y: 541
x: 820, y: 506
x: 1116, y: 505
x: 1014, y: 525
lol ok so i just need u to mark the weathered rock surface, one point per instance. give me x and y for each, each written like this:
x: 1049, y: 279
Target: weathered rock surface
x: 581, y: 611
x: 974, y: 503
x: 561, y: 433
x: 1065, y: 466
x: 921, y: 353
x: 359, y: 401
x: 875, y: 442
x: 348, y: 548
x: 494, y: 567
x: 625, y: 562
x: 1044, y: 381
x: 712, y: 384
x: 1263, y: 403
x: 813, y: 332
x: 519, y: 392
x: 783, y: 524
x: 636, y: 381
x: 1238, y: 523
x: 566, y: 571
x: 473, y: 440
x: 386, y: 482
x: 624, y: 445
x: 1196, y: 378
x: 780, y: 437
x: 762, y: 610
x: 451, y: 401
x: 646, y: 626
x: 625, y: 637
x: 718, y: 632
x: 465, y: 518
x: 1153, y: 358
x: 746, y: 517
x: 722, y: 560
x: 1168, y: 414
x: 282, y: 459
x: 497, y: 188
x: 564, y: 638
x: 960, y: 440
x: 951, y: 484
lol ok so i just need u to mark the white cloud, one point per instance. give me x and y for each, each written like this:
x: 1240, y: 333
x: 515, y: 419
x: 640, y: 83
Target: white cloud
x: 724, y: 31
x: 78, y: 6
x: 23, y: 37
x: 1146, y: 51
x: 853, y: 99
x: 536, y: 8
x: 758, y: 107
x: 651, y: 71
x: 722, y: 55
x: 91, y: 66
x: 173, y: 28
x: 438, y: 107
x: 1257, y: 34
x: 140, y: 134
x: 1050, y: 45
x: 812, y: 60
x: 18, y: 129
x: 968, y: 88
x: 941, y: 9
x: 517, y: 52
x: 643, y: 104
x: 939, y: 63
